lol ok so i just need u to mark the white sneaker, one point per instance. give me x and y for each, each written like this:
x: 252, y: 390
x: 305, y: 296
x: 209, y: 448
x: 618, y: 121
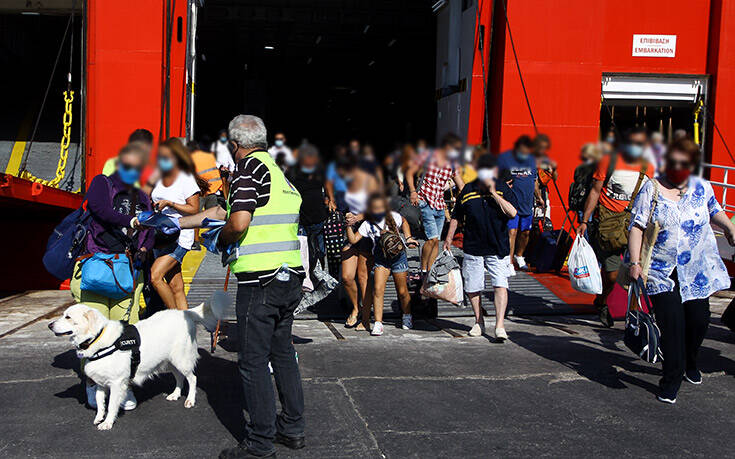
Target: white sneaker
x: 500, y: 334
x: 477, y: 330
x: 511, y: 269
x: 377, y: 329
x: 407, y: 321
x: 91, y: 395
x: 129, y: 402
x: 521, y: 261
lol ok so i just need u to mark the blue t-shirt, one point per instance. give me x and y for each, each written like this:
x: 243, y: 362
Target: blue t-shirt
x: 339, y: 184
x: 524, y: 179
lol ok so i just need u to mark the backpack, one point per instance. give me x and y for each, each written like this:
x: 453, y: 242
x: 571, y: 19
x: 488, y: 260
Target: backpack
x: 580, y: 187
x: 66, y: 243
x: 390, y: 242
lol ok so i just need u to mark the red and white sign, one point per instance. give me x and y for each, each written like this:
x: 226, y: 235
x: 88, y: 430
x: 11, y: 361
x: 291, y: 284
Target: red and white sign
x: 645, y: 45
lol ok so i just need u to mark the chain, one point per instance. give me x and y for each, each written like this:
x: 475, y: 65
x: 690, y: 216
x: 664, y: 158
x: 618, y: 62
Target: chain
x: 63, y: 149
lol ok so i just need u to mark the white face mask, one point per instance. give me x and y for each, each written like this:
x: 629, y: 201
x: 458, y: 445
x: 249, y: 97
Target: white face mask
x: 452, y: 154
x: 486, y: 176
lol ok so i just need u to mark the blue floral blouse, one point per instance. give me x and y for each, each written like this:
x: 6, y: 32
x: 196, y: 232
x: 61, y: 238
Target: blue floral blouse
x: 685, y: 242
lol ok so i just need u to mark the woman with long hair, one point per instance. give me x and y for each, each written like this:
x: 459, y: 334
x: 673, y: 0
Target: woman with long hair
x: 176, y: 194
x: 379, y: 220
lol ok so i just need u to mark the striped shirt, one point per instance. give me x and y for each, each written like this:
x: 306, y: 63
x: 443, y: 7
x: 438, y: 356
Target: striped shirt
x: 250, y: 189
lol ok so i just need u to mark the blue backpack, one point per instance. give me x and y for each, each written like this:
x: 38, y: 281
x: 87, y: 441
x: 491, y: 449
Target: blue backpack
x: 66, y: 244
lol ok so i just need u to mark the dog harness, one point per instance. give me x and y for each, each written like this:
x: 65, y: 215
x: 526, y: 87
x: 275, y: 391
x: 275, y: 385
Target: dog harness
x: 129, y: 340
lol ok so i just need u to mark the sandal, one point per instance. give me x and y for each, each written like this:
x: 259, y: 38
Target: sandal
x: 351, y: 321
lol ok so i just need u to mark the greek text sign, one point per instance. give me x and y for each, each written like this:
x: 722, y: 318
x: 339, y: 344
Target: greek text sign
x: 645, y: 45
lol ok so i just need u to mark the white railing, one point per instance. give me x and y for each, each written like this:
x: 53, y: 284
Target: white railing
x: 725, y: 185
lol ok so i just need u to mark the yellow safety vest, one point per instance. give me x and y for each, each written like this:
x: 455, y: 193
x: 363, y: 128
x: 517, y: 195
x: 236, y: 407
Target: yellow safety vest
x: 271, y: 240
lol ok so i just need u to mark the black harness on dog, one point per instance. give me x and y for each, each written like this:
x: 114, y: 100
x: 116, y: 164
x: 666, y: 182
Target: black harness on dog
x: 129, y: 340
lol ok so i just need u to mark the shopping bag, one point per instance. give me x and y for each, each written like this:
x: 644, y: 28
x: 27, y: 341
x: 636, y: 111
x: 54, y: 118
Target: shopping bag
x: 444, y: 280
x: 584, y: 273
x: 307, y: 285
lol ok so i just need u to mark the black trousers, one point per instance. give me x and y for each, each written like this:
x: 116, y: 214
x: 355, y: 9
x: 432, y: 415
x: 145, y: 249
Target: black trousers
x: 683, y: 326
x: 264, y: 320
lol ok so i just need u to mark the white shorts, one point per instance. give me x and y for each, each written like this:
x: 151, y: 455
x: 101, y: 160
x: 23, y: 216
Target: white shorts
x: 473, y: 272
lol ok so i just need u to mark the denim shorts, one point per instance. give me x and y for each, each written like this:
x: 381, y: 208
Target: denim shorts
x: 432, y: 219
x: 174, y: 250
x: 521, y: 222
x: 398, y: 264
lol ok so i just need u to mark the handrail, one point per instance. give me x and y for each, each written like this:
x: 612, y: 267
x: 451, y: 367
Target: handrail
x: 716, y: 166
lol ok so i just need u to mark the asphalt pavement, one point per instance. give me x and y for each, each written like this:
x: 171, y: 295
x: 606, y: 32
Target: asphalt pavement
x: 562, y: 387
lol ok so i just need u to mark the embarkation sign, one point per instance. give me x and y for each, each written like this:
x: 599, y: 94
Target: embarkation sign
x: 646, y: 45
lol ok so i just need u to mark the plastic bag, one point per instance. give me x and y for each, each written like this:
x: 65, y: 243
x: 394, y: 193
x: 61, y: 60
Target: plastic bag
x: 444, y: 280
x: 307, y: 286
x: 584, y: 272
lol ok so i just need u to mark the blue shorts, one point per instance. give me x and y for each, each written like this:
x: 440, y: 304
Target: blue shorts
x: 524, y: 221
x: 174, y: 250
x: 398, y: 264
x: 432, y: 219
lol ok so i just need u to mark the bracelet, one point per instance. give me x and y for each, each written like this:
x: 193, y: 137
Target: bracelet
x: 634, y: 263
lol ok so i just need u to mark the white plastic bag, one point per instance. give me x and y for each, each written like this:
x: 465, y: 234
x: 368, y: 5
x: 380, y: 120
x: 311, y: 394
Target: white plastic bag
x: 307, y: 285
x: 584, y: 272
x: 444, y: 280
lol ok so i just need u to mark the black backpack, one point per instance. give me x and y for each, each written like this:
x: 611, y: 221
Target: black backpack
x: 580, y: 187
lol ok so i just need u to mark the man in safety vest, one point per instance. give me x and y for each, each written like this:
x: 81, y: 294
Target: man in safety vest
x: 263, y: 219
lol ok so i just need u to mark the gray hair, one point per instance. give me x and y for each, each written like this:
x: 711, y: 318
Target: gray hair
x: 248, y: 131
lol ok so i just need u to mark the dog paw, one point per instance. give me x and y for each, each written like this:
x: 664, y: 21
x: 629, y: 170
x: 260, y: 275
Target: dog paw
x: 173, y: 396
x: 99, y: 419
x: 107, y: 425
x: 189, y: 403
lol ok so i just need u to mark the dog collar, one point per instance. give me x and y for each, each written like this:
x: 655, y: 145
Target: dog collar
x: 86, y: 344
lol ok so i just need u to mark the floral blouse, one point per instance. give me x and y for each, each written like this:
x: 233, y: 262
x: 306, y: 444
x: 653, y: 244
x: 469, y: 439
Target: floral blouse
x: 685, y: 242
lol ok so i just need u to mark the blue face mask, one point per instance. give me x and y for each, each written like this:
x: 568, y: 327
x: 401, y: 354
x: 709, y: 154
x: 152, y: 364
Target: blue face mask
x: 128, y: 175
x: 634, y: 151
x: 279, y: 142
x: 223, y: 139
x: 522, y: 156
x: 308, y: 170
x: 165, y: 164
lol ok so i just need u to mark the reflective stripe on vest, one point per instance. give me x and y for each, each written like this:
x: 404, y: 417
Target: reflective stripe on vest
x: 206, y: 166
x: 271, y: 238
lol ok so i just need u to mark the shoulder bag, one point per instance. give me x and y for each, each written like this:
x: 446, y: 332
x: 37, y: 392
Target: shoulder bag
x: 613, y: 226
x: 642, y: 335
x: 650, y: 234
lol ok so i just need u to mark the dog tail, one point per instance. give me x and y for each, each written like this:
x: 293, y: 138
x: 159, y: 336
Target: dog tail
x: 203, y: 314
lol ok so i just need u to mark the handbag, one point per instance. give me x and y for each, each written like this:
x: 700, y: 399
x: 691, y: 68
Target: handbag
x: 650, y: 234
x: 728, y: 317
x: 642, y: 335
x: 111, y: 275
x: 612, y: 227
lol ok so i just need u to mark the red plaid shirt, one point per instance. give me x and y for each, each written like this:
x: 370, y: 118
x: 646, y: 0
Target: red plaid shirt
x: 432, y: 184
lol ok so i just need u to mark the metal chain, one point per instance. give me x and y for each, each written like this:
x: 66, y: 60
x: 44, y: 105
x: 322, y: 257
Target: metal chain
x: 63, y: 149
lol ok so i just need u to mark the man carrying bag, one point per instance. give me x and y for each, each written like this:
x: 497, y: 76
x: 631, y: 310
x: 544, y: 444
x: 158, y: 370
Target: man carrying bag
x: 615, y: 185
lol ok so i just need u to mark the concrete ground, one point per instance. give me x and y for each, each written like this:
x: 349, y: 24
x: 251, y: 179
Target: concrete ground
x: 562, y: 386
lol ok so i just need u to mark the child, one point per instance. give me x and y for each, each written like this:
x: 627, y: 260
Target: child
x: 374, y: 226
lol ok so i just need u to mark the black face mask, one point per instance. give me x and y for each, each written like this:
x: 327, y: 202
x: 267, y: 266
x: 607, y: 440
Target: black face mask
x: 379, y: 216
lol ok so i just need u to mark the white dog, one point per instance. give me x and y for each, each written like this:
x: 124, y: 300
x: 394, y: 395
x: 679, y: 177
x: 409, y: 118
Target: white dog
x: 167, y: 342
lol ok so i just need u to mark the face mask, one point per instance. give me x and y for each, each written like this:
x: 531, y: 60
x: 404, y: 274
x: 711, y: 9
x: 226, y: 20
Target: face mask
x: 223, y: 139
x: 128, y: 175
x: 522, y: 156
x: 348, y: 178
x: 486, y: 175
x: 308, y: 170
x: 610, y: 139
x: 677, y: 176
x: 379, y: 216
x: 634, y: 151
x: 452, y: 154
x: 165, y: 164
x: 279, y: 142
